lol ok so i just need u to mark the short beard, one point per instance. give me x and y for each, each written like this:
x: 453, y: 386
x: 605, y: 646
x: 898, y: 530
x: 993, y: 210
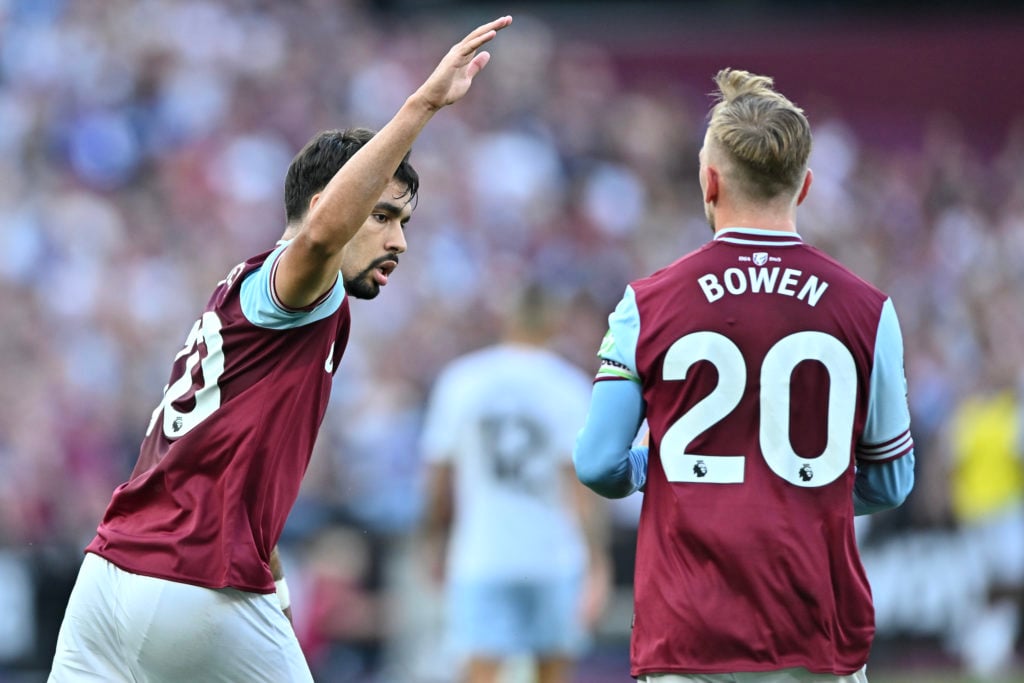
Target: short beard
x: 363, y: 285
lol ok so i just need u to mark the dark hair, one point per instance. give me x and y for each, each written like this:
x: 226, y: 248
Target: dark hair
x: 317, y: 162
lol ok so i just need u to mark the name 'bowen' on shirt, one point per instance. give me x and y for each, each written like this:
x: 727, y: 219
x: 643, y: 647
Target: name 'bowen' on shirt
x: 791, y: 282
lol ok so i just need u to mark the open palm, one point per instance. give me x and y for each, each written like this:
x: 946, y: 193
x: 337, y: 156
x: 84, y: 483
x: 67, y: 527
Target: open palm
x: 453, y: 76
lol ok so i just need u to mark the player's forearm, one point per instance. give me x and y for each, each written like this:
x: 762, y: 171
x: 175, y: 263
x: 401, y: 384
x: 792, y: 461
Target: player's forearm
x: 354, y: 190
x: 613, y: 475
x: 593, y: 516
x: 883, y: 486
x: 603, y: 458
x: 438, y: 513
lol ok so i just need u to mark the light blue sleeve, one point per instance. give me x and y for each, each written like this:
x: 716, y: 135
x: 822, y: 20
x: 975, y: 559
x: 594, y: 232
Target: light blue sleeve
x: 885, y: 452
x: 883, y: 486
x: 618, y: 348
x: 887, y: 429
x: 262, y: 309
x: 603, y: 457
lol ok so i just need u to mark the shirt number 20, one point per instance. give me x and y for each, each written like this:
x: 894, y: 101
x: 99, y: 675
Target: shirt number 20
x: 775, y: 396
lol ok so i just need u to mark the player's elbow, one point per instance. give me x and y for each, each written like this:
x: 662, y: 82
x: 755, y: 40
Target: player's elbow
x: 589, y: 473
x: 869, y: 500
x: 889, y: 502
x: 600, y: 476
x: 871, y: 506
x: 898, y: 498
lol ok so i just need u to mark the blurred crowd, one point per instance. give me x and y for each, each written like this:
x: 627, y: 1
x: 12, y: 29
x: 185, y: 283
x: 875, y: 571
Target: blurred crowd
x: 143, y: 146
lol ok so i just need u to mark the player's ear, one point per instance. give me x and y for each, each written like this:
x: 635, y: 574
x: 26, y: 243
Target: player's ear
x: 313, y: 200
x: 711, y: 179
x: 808, y: 178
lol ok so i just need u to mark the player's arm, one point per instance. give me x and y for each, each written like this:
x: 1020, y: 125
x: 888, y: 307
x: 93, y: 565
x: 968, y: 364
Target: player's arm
x: 309, y: 267
x: 594, y: 522
x: 261, y: 309
x: 437, y: 518
x: 885, y: 452
x: 439, y: 443
x: 604, y: 457
x: 277, y: 570
x: 883, y: 486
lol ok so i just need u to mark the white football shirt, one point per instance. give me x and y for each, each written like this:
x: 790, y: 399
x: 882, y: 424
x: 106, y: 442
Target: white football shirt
x: 506, y: 419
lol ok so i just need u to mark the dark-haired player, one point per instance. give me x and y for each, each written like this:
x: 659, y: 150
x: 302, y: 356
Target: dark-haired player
x: 178, y: 585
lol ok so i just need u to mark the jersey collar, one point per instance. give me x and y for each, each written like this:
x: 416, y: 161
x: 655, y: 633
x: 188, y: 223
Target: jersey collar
x: 758, y: 236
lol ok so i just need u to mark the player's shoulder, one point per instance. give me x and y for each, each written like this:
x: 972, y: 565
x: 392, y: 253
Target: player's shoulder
x: 258, y: 260
x: 520, y: 358
x: 845, y: 274
x: 475, y: 362
x: 227, y: 289
x: 513, y: 358
x: 242, y: 270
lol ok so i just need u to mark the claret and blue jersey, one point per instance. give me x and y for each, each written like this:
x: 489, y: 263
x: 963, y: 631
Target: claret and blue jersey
x: 771, y: 378
x: 228, y: 444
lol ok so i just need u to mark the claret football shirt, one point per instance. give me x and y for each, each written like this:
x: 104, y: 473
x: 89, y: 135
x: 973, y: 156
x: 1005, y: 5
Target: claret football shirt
x: 226, y: 449
x: 768, y: 371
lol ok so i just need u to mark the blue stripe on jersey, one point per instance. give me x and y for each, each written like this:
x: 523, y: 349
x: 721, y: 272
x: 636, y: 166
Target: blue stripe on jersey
x: 262, y: 309
x: 619, y: 345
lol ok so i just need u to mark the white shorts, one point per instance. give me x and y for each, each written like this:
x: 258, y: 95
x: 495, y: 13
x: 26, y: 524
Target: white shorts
x: 506, y: 618
x: 797, y: 675
x: 121, y: 626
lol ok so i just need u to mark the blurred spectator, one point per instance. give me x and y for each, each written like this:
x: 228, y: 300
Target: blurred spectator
x: 987, y: 479
x: 342, y: 621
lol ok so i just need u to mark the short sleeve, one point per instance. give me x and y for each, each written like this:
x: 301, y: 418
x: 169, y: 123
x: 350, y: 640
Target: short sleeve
x: 263, y: 309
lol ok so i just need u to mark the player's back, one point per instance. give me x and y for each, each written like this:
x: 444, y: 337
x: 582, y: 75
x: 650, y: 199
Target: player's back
x: 755, y: 356
x: 507, y: 418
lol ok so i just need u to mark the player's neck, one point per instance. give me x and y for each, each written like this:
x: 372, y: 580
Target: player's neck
x: 778, y: 214
x: 519, y: 337
x: 760, y: 220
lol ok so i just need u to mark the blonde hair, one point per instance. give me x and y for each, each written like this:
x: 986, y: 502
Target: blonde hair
x: 767, y: 136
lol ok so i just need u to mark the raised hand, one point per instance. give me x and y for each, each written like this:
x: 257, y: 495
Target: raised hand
x: 451, y: 79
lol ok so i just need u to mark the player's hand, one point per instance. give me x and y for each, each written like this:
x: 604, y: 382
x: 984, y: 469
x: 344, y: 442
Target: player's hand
x: 454, y: 74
